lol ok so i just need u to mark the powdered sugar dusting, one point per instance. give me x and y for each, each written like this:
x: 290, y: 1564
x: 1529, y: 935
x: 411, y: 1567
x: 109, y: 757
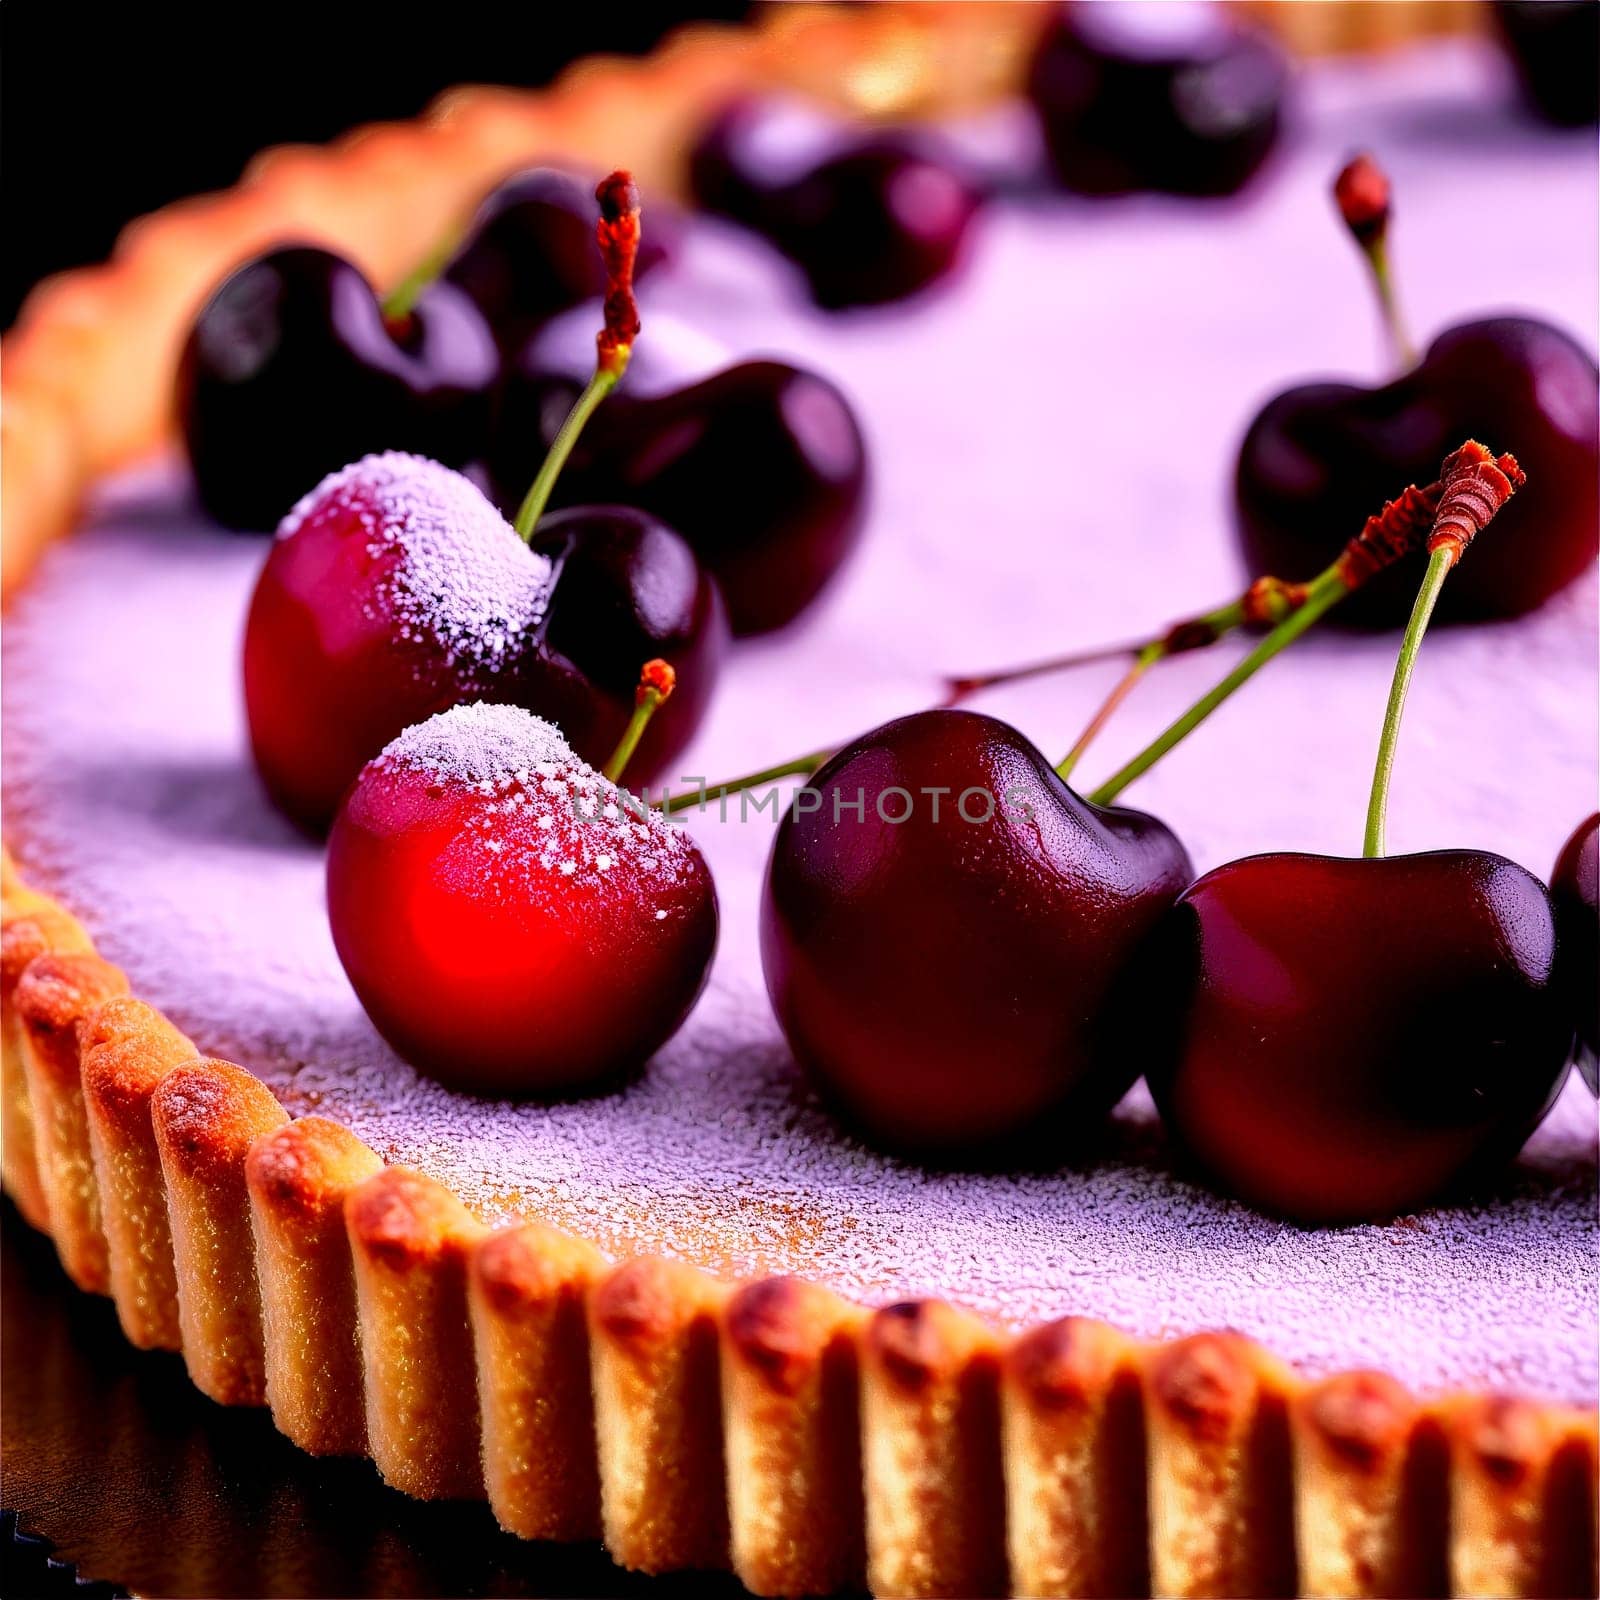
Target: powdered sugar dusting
x: 466, y: 581
x: 128, y: 791
x: 543, y: 807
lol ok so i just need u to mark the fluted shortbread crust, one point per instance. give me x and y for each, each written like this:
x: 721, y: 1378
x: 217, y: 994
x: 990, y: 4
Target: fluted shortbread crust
x: 804, y: 1442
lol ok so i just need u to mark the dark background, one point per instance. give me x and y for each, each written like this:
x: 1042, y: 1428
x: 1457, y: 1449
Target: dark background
x: 110, y: 110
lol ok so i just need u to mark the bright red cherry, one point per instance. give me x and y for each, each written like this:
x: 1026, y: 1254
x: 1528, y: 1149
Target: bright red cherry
x: 947, y: 932
x: 1355, y: 1037
x: 395, y: 590
x: 1575, y: 889
x: 869, y: 215
x: 294, y: 347
x: 512, y: 922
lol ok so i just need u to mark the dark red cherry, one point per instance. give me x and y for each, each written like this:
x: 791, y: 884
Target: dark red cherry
x: 529, y: 252
x: 1352, y: 1038
x: 1575, y: 889
x: 395, y: 590
x: 513, y: 923
x: 761, y: 466
x: 1555, y: 44
x: 1155, y: 97
x: 869, y: 215
x: 1319, y: 457
x: 952, y: 978
x: 291, y: 370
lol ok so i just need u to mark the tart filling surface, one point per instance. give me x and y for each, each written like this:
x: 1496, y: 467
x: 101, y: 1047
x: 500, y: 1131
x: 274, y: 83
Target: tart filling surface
x: 129, y: 791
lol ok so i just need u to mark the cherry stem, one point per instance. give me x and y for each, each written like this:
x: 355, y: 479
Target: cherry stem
x: 1324, y: 591
x: 1124, y: 686
x: 1439, y: 564
x: 799, y: 767
x: 400, y: 301
x: 617, y: 235
x: 1376, y: 251
x: 656, y: 682
x: 532, y: 508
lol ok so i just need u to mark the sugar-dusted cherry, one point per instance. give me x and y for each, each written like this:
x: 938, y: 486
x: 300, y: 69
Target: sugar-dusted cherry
x: 395, y: 590
x: 760, y: 465
x: 947, y: 934
x: 1354, y: 1037
x: 1575, y: 889
x: 513, y: 923
x: 294, y: 368
x: 1173, y: 98
x: 868, y: 214
x: 529, y: 252
x: 1317, y: 452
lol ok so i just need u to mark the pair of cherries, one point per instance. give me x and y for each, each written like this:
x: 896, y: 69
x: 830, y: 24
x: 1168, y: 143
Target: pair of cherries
x: 1128, y: 98
x: 1332, y: 1039
x: 760, y: 466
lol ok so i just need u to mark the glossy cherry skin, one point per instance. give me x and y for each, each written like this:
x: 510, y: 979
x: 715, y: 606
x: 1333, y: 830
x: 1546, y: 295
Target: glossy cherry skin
x: 868, y: 215
x: 530, y: 251
x: 1126, y: 102
x: 1554, y: 44
x: 510, y: 925
x: 398, y: 591
x: 1575, y: 889
x: 1353, y: 1038
x: 761, y: 466
x: 957, y: 988
x: 290, y: 371
x: 1319, y: 459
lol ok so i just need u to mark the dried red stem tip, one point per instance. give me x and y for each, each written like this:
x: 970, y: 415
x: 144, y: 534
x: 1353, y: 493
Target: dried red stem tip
x: 617, y: 233
x: 1269, y: 600
x: 655, y: 677
x: 1476, y: 485
x: 1362, y: 193
x: 1401, y: 527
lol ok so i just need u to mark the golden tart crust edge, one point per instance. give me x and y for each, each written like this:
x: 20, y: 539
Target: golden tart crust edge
x: 769, y: 1426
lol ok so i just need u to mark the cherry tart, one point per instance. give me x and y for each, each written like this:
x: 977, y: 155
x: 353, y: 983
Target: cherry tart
x: 294, y: 348
x: 513, y: 923
x: 395, y: 590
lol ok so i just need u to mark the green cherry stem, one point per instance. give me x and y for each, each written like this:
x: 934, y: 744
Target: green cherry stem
x: 1361, y: 191
x: 401, y: 300
x: 1323, y: 592
x: 800, y: 767
x: 656, y: 682
x: 534, y: 502
x: 1439, y: 564
x: 1124, y: 686
x: 617, y: 234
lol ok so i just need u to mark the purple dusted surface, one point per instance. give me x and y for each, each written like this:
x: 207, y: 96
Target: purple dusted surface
x: 1053, y: 439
